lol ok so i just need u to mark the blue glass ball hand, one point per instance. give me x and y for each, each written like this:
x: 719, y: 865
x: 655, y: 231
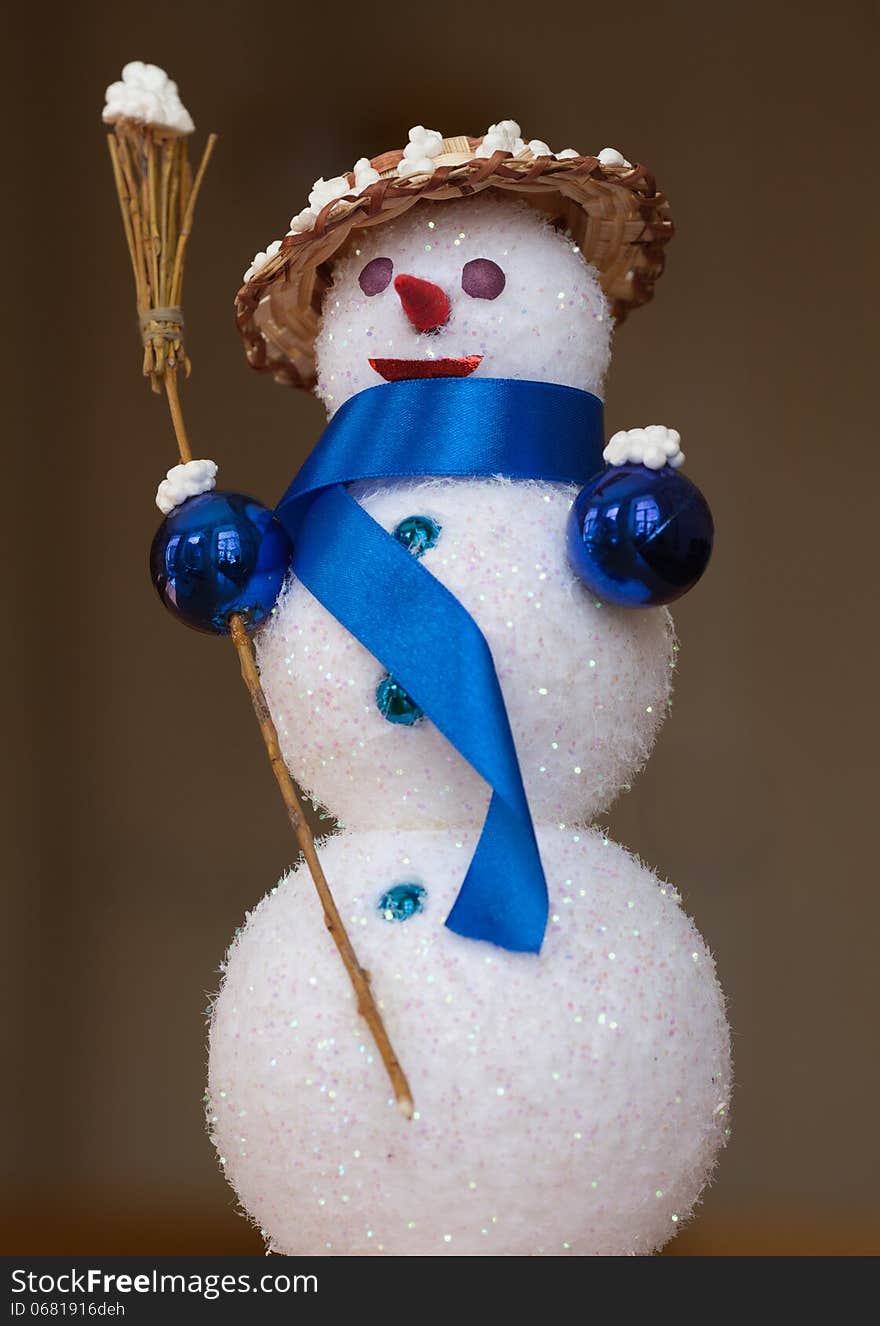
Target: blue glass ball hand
x: 217, y: 554
x: 639, y: 537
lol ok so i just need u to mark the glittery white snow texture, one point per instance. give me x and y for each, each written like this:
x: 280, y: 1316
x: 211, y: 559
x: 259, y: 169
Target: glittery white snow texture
x: 586, y: 685
x: 549, y: 324
x: 567, y: 1104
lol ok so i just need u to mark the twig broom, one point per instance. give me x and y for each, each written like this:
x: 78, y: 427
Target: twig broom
x: 157, y: 198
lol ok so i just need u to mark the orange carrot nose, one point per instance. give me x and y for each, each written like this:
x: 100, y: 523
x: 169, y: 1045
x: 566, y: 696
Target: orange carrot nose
x: 424, y: 303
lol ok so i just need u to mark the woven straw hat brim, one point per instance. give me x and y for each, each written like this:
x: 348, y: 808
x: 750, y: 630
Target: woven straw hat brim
x: 615, y: 214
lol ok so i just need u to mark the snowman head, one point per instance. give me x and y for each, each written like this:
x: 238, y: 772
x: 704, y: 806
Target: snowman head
x: 481, y: 287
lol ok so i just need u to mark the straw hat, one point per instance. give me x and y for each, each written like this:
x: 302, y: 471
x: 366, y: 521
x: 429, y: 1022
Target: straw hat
x: 612, y: 209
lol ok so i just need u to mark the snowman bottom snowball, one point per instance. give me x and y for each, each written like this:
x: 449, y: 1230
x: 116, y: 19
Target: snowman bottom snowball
x: 571, y: 1105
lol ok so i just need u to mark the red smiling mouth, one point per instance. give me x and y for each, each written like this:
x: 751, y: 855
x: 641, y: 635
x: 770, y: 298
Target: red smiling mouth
x: 397, y: 370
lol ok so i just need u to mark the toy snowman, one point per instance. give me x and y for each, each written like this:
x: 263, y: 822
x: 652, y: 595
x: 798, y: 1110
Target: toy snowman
x: 469, y: 661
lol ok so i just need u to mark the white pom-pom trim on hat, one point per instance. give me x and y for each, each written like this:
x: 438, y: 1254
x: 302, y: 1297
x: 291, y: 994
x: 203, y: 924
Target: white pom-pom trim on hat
x: 146, y: 94
x: 364, y: 175
x: 505, y: 136
x: 419, y: 158
x: 183, y: 481
x: 609, y: 156
x: 330, y: 191
x: 303, y: 220
x: 423, y: 142
x: 654, y: 446
x: 260, y: 259
x: 415, y: 166
x: 423, y: 145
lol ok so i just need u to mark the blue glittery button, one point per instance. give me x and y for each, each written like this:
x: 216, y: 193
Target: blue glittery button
x: 402, y: 901
x: 418, y: 534
x: 394, y: 704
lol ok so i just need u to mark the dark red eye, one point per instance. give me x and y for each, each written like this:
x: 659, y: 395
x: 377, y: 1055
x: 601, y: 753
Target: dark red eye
x: 482, y: 279
x: 376, y: 276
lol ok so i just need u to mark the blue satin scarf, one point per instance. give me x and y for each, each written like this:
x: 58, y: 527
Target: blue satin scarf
x: 413, y: 625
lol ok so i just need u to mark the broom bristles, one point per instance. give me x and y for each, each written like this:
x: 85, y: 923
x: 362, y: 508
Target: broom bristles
x: 157, y: 198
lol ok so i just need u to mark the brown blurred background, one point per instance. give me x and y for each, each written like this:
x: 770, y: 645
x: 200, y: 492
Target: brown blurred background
x: 142, y: 819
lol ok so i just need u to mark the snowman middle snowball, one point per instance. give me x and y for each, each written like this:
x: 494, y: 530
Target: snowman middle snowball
x: 586, y: 685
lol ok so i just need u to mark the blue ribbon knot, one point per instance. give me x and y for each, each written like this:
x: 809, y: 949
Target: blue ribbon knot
x: 409, y: 621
